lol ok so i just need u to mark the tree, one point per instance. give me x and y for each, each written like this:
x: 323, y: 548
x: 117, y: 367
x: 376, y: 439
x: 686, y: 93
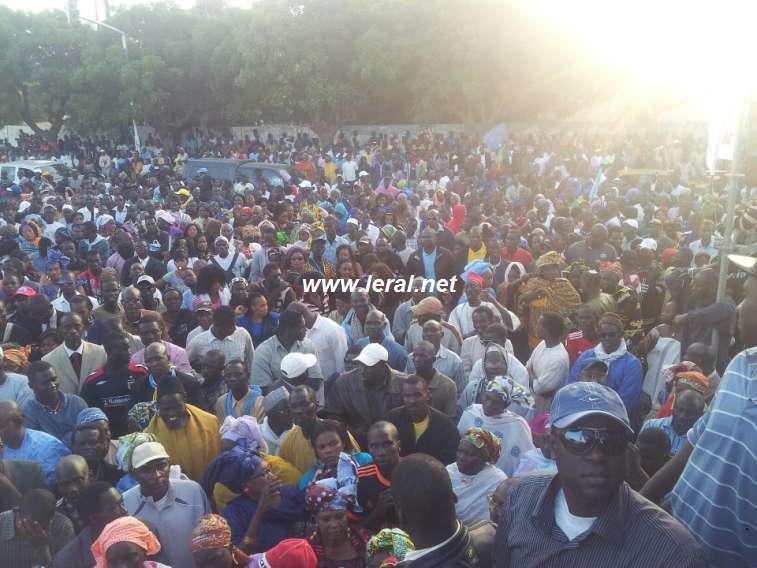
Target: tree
x: 38, y: 71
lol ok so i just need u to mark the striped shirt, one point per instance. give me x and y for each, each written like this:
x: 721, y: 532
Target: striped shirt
x: 715, y: 496
x: 238, y: 345
x: 631, y: 532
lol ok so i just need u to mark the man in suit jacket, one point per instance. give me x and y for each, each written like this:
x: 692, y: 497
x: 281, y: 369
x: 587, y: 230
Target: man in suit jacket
x: 74, y: 359
x: 153, y: 266
x: 423, y: 429
x: 442, y: 259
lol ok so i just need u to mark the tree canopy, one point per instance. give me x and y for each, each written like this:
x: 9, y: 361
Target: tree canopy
x: 324, y: 63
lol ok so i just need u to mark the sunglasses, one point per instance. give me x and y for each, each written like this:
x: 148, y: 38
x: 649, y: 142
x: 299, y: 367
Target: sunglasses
x: 582, y: 440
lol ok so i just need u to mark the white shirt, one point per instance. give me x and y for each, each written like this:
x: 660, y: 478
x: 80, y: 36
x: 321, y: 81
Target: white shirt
x: 330, y: 342
x: 349, y: 170
x: 270, y: 437
x: 61, y: 304
x: 548, y: 369
x: 79, y: 350
x: 569, y: 523
x: 420, y: 552
x: 462, y: 317
x: 49, y: 230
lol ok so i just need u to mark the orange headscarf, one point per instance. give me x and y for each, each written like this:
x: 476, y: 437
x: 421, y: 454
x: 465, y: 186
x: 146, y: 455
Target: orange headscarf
x: 123, y: 529
x: 692, y: 379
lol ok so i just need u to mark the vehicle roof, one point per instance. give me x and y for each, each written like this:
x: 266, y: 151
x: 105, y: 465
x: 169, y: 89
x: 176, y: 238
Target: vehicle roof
x: 30, y: 163
x: 245, y: 163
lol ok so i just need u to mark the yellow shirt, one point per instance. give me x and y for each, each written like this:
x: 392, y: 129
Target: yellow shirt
x: 421, y: 427
x: 296, y: 449
x: 476, y: 254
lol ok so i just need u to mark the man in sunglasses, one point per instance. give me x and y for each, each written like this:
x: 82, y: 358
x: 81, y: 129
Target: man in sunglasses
x: 586, y: 514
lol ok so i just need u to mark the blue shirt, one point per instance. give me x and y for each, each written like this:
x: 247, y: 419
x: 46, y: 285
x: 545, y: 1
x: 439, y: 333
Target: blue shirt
x: 715, y: 495
x: 397, y: 353
x: 329, y: 254
x: 59, y: 424
x: 624, y: 376
x: 277, y: 521
x: 429, y: 260
x: 39, y: 447
x: 666, y: 425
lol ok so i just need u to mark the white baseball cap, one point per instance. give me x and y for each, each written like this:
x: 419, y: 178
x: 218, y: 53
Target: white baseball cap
x: 295, y: 364
x: 632, y: 222
x: 145, y: 278
x: 372, y: 354
x: 147, y: 452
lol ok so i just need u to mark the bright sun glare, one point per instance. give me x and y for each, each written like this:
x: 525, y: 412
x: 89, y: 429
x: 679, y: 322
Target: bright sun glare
x: 701, y: 50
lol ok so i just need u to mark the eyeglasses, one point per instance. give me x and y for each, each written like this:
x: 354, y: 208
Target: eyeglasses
x: 265, y: 473
x: 583, y: 440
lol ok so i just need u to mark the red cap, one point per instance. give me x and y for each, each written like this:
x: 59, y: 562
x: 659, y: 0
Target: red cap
x: 246, y: 210
x: 290, y: 553
x: 27, y: 291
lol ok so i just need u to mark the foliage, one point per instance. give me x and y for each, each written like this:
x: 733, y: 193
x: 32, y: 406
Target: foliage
x: 322, y: 62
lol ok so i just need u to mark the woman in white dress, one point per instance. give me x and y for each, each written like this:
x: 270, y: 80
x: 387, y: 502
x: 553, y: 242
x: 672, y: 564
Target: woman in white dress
x: 473, y: 476
x: 508, y: 427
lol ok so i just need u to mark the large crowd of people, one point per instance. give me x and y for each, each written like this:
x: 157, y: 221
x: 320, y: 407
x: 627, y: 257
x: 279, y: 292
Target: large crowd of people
x: 175, y: 390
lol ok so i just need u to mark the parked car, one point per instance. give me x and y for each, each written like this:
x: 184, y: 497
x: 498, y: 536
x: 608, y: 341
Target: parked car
x: 12, y: 172
x: 231, y: 170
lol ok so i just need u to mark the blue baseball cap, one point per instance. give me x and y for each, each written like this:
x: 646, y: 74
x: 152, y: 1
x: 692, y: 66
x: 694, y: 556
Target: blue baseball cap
x: 577, y: 400
x: 593, y: 362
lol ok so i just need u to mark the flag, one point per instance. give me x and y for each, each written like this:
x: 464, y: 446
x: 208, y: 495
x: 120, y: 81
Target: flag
x: 721, y: 135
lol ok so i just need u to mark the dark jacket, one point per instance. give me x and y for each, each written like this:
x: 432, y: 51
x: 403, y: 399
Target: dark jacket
x: 154, y: 268
x: 444, y: 266
x: 471, y: 547
x: 440, y: 439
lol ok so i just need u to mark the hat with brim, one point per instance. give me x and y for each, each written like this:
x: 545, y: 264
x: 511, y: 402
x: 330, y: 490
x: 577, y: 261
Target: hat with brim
x: 579, y: 400
x: 295, y: 364
x: 146, y: 453
x: 372, y: 354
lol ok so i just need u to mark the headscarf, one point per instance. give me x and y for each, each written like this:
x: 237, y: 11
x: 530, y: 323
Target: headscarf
x: 126, y: 445
x: 141, y: 413
x: 427, y: 306
x: 689, y: 375
x: 232, y: 468
x: 291, y: 251
x: 124, y: 529
x: 479, y: 267
x: 92, y: 414
x: 343, y: 481
x: 486, y: 441
x: 509, y: 268
x: 245, y: 432
x: 54, y: 255
x: 320, y: 497
x: 211, y: 532
x: 458, y: 218
x: 508, y: 390
x: 396, y: 541
x: 549, y: 258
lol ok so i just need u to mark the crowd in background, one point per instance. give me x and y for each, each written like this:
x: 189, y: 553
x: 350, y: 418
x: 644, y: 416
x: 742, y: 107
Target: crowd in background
x: 172, y: 392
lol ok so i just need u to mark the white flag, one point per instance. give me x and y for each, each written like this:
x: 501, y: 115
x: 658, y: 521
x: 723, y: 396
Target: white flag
x: 137, y: 143
x: 721, y: 137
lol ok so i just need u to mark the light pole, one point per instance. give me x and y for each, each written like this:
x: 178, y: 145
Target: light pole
x: 124, y: 46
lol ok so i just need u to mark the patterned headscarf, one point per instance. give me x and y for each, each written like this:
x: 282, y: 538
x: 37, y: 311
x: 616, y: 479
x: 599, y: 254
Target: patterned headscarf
x: 396, y: 541
x: 245, y: 432
x: 211, y: 532
x: 320, y: 497
x: 126, y: 445
x: 547, y: 259
x: 231, y: 468
x: 484, y: 440
x: 509, y: 391
x: 141, y: 413
x: 124, y: 529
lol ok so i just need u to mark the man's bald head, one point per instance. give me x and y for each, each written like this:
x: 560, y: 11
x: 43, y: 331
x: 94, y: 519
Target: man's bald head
x: 157, y: 359
x: 72, y: 463
x: 384, y: 426
x: 11, y: 423
x: 9, y: 409
x: 304, y: 311
x: 156, y: 349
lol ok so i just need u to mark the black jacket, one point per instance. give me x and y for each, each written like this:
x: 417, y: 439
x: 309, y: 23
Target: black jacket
x: 154, y: 268
x: 471, y: 547
x: 444, y: 266
x: 440, y: 439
